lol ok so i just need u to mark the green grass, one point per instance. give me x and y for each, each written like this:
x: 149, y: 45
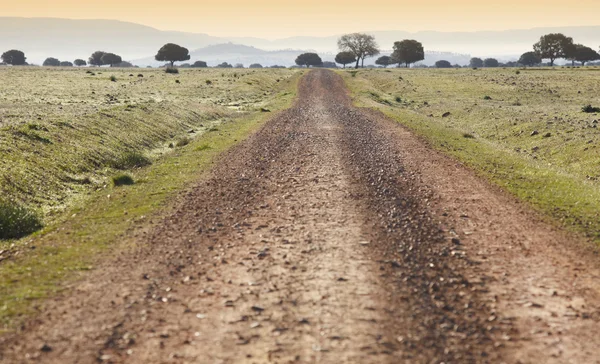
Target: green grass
x: 122, y: 180
x: 96, y: 222
x: 556, y: 170
x: 17, y: 221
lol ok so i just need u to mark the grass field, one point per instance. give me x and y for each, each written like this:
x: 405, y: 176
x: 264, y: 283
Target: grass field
x: 65, y: 132
x: 87, y: 179
x: 523, y: 129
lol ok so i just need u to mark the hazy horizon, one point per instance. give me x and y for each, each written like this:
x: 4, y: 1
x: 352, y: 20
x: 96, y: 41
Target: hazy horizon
x: 273, y: 20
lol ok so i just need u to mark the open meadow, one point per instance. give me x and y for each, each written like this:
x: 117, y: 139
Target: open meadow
x: 524, y: 129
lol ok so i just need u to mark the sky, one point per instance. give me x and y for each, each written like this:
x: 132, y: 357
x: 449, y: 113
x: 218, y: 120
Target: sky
x: 283, y: 18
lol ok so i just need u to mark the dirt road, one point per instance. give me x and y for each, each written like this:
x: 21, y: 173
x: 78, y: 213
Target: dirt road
x: 333, y: 235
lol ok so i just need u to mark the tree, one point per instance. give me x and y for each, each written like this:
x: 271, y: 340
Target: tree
x: 476, y: 62
x: 255, y: 65
x: 309, y: 59
x: 360, y: 44
x: 96, y: 58
x: 14, y: 57
x: 384, y: 61
x: 224, y: 65
x: 408, y: 51
x: 124, y: 64
x: 51, y: 62
x: 111, y: 59
x: 199, y: 64
x: 530, y: 59
x: 553, y: 46
x: 345, y: 58
x: 329, y: 64
x: 490, y: 62
x: 584, y: 54
x: 80, y: 62
x: 172, y: 53
x: 239, y: 65
x: 66, y: 64
x: 443, y: 64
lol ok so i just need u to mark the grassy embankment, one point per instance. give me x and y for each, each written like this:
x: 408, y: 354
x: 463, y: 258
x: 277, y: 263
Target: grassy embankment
x: 525, y: 130
x: 67, y: 138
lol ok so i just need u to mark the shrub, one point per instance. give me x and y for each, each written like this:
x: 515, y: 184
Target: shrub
x: 203, y: 147
x: 131, y: 160
x: 17, y: 221
x: 590, y: 109
x: 468, y: 136
x: 487, y: 97
x: 183, y: 141
x: 517, y: 72
x: 171, y: 70
x: 122, y: 180
x: 208, y: 82
x: 113, y: 78
x: 398, y: 99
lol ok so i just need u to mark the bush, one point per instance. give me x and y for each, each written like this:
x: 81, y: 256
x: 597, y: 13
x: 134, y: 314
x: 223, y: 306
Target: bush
x: 122, y: 180
x: 398, y: 99
x: 590, y: 109
x: 183, y: 141
x: 208, y: 82
x: 16, y: 221
x: 113, y: 78
x: 487, y: 97
x: 171, y: 70
x: 131, y: 160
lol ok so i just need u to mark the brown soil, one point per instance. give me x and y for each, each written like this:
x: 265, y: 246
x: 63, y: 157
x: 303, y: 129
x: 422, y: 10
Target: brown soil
x: 331, y: 235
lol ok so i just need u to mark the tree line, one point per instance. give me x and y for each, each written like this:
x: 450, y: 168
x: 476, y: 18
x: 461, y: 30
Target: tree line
x: 354, y: 48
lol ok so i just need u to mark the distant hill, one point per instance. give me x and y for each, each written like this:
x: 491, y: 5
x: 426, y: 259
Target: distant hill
x: 68, y: 39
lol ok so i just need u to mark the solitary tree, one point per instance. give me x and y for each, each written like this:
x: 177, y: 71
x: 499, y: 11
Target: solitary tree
x: 111, y: 59
x: 360, y: 44
x: 172, y: 53
x: 408, y: 51
x: 530, y: 59
x: 255, y: 65
x: 309, y: 59
x: 490, y: 62
x: 345, y: 58
x: 443, y: 64
x: 553, y: 46
x: 584, y: 54
x: 199, y: 64
x: 96, y: 58
x: 384, y: 61
x: 476, y: 62
x: 51, y: 62
x: 66, y: 64
x: 80, y: 63
x: 14, y: 57
x: 224, y: 65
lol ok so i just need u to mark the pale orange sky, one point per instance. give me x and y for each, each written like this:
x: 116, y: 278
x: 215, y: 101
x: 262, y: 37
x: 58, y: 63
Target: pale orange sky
x: 278, y: 19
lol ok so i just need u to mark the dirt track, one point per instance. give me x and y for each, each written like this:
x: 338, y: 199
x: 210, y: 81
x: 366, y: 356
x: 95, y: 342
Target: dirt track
x: 332, y: 235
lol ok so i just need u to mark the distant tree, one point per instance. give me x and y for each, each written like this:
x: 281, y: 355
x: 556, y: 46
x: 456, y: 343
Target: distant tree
x: 584, y: 54
x: 80, y: 62
x: 172, y: 53
x: 476, y: 62
x: 255, y: 65
x: 239, y: 65
x: 14, y: 57
x: 384, y: 61
x: 530, y: 59
x: 96, y: 58
x: 553, y: 46
x: 490, y: 62
x: 345, y: 58
x: 360, y: 44
x: 309, y: 59
x: 51, y: 62
x: 224, y: 65
x: 408, y: 51
x: 66, y: 64
x: 277, y: 66
x: 329, y: 64
x: 124, y: 64
x: 199, y: 64
x: 443, y: 64
x: 111, y: 59
x: 185, y: 65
